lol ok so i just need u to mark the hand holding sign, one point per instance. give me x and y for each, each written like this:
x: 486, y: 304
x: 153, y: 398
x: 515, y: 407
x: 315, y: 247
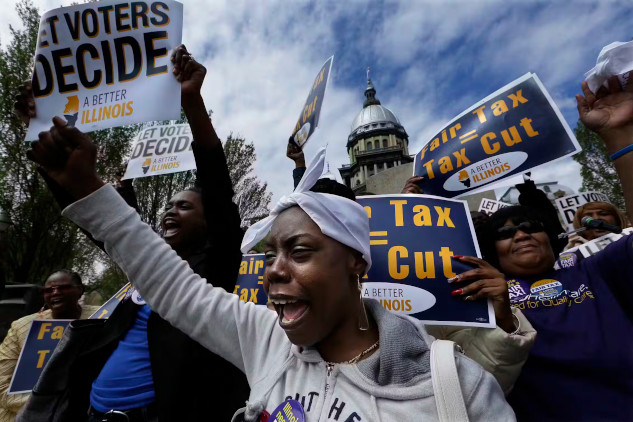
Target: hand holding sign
x: 295, y: 154
x: 490, y: 284
x: 68, y: 157
x: 413, y: 185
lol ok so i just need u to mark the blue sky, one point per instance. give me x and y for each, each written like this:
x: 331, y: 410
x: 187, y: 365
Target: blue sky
x: 430, y: 60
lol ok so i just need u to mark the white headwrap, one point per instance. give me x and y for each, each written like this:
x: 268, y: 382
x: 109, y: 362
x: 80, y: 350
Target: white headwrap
x: 339, y: 218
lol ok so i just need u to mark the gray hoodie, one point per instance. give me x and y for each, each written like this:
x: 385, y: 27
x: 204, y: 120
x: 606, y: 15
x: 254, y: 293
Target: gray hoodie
x: 394, y: 384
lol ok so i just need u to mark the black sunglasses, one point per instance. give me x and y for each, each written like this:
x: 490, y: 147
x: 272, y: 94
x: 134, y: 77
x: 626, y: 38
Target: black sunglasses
x: 529, y: 227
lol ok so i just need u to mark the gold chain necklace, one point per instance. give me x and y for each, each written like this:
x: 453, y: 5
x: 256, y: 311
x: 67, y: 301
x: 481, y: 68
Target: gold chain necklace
x: 358, y: 357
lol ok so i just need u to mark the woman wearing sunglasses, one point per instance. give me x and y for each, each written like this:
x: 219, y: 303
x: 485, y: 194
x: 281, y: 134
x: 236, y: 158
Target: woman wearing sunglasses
x: 581, y: 365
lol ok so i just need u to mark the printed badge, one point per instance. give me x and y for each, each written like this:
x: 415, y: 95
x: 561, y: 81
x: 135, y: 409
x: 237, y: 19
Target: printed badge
x: 288, y: 411
x: 566, y: 260
x: 518, y: 291
x: 546, y: 289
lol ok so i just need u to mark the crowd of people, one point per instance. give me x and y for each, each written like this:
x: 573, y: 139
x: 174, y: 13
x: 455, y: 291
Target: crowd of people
x: 182, y: 347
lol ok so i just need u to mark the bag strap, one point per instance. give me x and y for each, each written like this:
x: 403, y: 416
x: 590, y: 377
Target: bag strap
x: 448, y: 393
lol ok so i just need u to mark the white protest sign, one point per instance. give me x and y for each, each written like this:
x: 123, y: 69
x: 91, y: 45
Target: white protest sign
x: 490, y: 206
x: 573, y: 256
x: 161, y: 150
x: 106, y: 64
x: 568, y: 205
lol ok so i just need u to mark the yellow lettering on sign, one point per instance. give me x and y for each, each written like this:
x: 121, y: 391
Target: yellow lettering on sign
x: 243, y: 267
x: 398, y: 204
x: 44, y: 328
x: 480, y: 114
x: 443, y: 216
x: 57, y: 333
x: 445, y: 165
x: 447, y: 263
x: 517, y: 98
x: 499, y: 108
x: 529, y: 130
x: 395, y: 271
x: 429, y: 169
x: 424, y: 265
x: 42, y: 355
x: 244, y: 295
x: 490, y: 149
x: 422, y: 216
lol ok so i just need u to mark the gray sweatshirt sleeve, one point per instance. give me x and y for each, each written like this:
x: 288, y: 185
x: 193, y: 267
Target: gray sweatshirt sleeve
x: 246, y: 335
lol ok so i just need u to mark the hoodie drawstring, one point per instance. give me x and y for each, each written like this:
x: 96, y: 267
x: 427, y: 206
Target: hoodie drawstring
x: 374, y: 406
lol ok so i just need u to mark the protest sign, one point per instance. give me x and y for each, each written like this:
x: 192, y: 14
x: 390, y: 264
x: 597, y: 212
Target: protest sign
x: 161, y: 150
x: 105, y: 64
x: 249, y: 286
x: 511, y: 131
x: 42, y: 339
x: 412, y: 239
x: 107, y: 308
x: 573, y: 256
x: 309, y: 117
x: 40, y: 343
x: 490, y: 206
x: 568, y: 205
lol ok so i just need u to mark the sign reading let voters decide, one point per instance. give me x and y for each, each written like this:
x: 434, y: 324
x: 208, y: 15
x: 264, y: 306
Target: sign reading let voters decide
x: 106, y: 64
x: 568, y: 205
x: 413, y: 239
x: 161, y: 149
x: 513, y: 130
x: 40, y: 343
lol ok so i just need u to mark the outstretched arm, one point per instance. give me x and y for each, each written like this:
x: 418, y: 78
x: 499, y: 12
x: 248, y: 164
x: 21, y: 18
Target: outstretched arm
x: 212, y: 174
x: 244, y: 334
x: 610, y: 115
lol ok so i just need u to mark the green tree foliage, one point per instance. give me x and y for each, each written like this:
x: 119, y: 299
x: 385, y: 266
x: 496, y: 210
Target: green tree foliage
x: 251, y: 194
x: 41, y: 241
x: 597, y: 171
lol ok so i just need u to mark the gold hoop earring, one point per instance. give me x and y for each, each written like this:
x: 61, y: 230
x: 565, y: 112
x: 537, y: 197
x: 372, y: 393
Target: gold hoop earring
x: 363, y: 322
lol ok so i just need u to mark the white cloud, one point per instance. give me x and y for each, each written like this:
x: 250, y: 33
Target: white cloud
x: 430, y: 61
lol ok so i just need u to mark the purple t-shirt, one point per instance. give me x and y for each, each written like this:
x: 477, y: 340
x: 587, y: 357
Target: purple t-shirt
x: 581, y: 365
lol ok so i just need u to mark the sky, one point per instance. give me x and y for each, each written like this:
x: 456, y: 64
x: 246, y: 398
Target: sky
x: 430, y: 60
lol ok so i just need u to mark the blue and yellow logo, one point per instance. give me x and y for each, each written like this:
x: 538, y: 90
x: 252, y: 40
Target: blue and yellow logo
x: 546, y: 289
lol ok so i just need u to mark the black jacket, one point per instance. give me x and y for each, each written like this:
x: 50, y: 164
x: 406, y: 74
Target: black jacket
x: 191, y: 383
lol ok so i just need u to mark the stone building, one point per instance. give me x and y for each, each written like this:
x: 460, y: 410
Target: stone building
x: 378, y: 149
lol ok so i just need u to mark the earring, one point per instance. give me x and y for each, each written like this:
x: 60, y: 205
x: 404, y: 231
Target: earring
x: 363, y: 322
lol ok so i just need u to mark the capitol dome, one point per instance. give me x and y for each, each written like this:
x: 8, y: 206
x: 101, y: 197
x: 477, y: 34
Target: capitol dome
x: 373, y: 118
x: 377, y: 143
x: 374, y: 114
